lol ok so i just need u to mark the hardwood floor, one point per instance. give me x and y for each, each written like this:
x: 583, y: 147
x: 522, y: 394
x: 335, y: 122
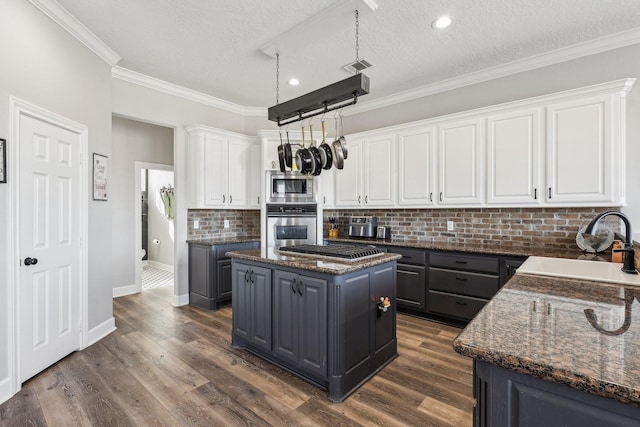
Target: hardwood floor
x: 168, y: 366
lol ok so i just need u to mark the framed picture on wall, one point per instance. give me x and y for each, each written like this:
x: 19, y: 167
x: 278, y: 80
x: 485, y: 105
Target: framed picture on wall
x: 3, y: 161
x: 100, y: 176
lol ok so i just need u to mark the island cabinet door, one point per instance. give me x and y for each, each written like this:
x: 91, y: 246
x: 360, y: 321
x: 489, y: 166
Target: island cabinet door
x: 313, y: 324
x: 260, y: 306
x: 241, y: 300
x: 285, y: 310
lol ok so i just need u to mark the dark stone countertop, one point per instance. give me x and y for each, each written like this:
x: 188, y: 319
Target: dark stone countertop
x: 540, y: 326
x: 493, y: 249
x: 223, y: 240
x: 311, y: 263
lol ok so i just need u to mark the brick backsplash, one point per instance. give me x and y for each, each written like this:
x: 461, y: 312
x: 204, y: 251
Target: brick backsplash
x: 242, y: 223
x: 552, y: 227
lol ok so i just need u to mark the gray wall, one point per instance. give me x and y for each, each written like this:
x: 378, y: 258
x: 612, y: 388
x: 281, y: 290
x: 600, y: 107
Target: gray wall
x: 44, y: 65
x: 160, y: 227
x: 132, y: 141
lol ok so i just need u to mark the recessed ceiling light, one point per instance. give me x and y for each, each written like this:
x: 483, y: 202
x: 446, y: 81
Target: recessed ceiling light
x: 442, y: 22
x: 294, y: 82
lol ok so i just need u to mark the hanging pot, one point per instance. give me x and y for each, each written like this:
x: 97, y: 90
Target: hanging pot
x: 338, y: 154
x: 288, y: 157
x: 303, y: 158
x: 325, y: 152
x: 343, y: 141
x: 281, y: 154
x: 315, y: 155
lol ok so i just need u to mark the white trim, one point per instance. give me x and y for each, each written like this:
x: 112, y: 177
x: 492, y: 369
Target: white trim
x: 101, y: 331
x: 182, y: 92
x: 68, y: 22
x: 125, y: 290
x: 165, y: 267
x: 180, y: 300
x: 18, y: 108
x: 602, y: 44
x: 137, y: 195
x: 5, y: 390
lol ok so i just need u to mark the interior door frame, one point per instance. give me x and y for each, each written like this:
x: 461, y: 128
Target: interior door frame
x: 17, y: 109
x: 138, y: 213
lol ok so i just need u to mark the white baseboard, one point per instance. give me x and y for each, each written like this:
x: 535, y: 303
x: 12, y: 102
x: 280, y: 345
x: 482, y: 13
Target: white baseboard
x: 125, y: 290
x: 161, y: 266
x: 5, y: 390
x: 145, y: 262
x: 101, y: 331
x: 179, y: 300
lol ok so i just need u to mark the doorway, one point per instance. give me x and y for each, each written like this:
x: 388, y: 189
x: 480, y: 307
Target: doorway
x: 155, y: 225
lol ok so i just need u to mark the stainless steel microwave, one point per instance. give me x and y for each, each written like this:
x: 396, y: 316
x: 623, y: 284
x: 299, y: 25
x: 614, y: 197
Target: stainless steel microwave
x: 290, y: 187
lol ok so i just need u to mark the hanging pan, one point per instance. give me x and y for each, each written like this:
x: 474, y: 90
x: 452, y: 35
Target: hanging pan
x: 281, y: 154
x: 336, y: 146
x: 325, y: 152
x: 303, y: 158
x: 315, y: 154
x: 343, y: 141
x: 288, y: 157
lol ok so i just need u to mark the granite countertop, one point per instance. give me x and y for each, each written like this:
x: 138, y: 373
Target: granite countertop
x: 493, y: 249
x: 545, y: 327
x: 223, y: 240
x: 311, y: 263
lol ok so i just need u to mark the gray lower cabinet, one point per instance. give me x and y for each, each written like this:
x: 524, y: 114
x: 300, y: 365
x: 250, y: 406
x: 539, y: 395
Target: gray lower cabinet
x: 210, y: 273
x: 300, y: 320
x: 252, y: 304
x: 460, y: 284
x: 505, y: 398
x: 412, y: 278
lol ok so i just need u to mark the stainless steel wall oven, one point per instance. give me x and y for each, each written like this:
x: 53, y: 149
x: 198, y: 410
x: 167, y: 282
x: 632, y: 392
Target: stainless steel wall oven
x: 291, y: 224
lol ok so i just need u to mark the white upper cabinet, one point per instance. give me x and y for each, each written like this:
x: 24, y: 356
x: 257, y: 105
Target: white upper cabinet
x: 583, y: 150
x: 460, y: 153
x: 379, y: 183
x: 254, y: 186
x: 327, y: 188
x: 348, y: 181
x: 219, y: 168
x: 513, y: 157
x: 416, y: 166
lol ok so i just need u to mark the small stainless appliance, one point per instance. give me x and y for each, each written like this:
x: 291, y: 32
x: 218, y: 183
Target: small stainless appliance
x: 290, y: 187
x: 383, y: 232
x: 363, y: 226
x: 291, y: 224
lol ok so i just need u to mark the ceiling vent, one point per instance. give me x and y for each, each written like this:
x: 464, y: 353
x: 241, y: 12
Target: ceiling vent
x: 358, y: 66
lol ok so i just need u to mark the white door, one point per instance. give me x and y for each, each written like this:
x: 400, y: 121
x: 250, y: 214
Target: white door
x: 379, y: 170
x: 50, y: 247
x: 348, y: 181
x: 415, y: 167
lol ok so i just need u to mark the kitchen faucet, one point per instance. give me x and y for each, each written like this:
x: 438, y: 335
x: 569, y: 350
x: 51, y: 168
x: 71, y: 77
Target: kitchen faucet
x: 628, y: 265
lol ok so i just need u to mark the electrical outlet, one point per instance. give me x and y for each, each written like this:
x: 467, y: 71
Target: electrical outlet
x: 450, y: 226
x: 226, y: 223
x: 196, y: 224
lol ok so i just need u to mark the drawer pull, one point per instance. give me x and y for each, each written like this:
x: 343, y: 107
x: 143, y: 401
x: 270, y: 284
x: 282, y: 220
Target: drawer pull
x: 461, y: 262
x: 462, y: 279
x: 464, y: 304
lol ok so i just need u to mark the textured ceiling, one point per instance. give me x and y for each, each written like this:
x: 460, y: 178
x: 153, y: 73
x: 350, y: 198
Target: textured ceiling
x: 213, y: 46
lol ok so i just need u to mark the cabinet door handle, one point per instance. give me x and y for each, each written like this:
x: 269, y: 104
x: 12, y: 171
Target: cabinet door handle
x: 462, y: 279
x: 461, y: 262
x: 508, y: 270
x: 461, y: 303
x: 366, y: 199
x: 358, y: 199
x: 223, y: 198
x: 230, y: 199
x: 324, y: 199
x: 549, y: 192
x: 252, y: 276
x: 431, y: 197
x: 293, y: 288
x: 441, y: 196
x: 535, y: 194
x: 246, y: 276
x: 299, y: 287
x: 258, y: 199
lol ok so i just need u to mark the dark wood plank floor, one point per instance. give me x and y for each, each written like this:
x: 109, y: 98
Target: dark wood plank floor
x: 168, y: 366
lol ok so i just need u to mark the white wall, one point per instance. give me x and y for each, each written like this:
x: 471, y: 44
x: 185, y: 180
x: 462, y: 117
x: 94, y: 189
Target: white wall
x: 132, y: 141
x: 43, y: 65
x: 160, y: 227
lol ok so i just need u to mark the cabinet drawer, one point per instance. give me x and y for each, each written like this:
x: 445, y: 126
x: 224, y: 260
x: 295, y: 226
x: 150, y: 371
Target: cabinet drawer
x: 231, y: 247
x: 465, y: 262
x: 454, y: 305
x: 410, y: 256
x: 464, y: 283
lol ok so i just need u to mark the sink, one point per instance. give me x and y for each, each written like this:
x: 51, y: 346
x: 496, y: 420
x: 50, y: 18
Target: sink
x: 598, y: 271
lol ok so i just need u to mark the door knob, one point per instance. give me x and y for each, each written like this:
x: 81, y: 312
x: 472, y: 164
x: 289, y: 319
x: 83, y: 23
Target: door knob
x: 30, y: 261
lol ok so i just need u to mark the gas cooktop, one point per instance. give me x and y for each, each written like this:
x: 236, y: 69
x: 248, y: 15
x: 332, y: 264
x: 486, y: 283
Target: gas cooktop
x: 336, y: 252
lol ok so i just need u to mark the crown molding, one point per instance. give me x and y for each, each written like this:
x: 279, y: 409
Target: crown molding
x: 557, y: 56
x: 189, y: 94
x: 68, y: 22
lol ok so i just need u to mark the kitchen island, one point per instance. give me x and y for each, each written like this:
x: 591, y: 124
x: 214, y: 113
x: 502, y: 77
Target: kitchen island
x: 320, y: 319
x: 556, y: 351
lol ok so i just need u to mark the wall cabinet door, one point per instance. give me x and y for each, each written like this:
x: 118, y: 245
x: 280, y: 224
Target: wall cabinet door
x: 379, y: 170
x: 348, y: 181
x: 580, y: 155
x: 327, y: 180
x: 415, y: 167
x: 513, y: 153
x: 238, y: 173
x: 215, y: 170
x: 460, y: 165
x: 254, y: 176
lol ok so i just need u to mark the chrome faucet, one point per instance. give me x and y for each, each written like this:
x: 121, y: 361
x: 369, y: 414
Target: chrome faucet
x: 628, y: 265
